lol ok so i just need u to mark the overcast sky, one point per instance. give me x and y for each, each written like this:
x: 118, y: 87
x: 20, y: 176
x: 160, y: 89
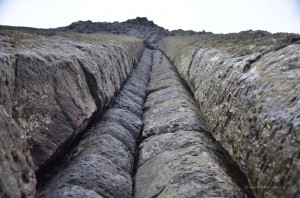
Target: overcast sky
x: 218, y: 16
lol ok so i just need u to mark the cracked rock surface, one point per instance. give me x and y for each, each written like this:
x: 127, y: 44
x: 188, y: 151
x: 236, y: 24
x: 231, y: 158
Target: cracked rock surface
x: 52, y: 84
x: 178, y: 157
x: 17, y: 178
x: 101, y: 165
x: 224, y: 122
x: 247, y: 86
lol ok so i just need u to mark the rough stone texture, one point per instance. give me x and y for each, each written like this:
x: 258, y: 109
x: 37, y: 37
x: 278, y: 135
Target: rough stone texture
x: 52, y: 84
x: 247, y: 86
x: 7, y: 80
x: 178, y: 157
x: 16, y: 166
x: 102, y: 162
x: 74, y: 191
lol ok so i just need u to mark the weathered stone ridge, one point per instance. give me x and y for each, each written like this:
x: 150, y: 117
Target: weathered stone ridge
x: 248, y: 88
x: 178, y: 157
x: 101, y: 165
x: 52, y: 84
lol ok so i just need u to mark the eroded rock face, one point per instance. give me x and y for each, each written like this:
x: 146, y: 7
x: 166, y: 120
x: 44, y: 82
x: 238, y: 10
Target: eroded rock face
x: 54, y: 83
x: 102, y: 163
x: 247, y: 86
x: 178, y: 157
x: 16, y: 165
x: 7, y: 80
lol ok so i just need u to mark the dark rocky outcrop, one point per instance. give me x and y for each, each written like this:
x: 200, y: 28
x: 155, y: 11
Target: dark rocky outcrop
x: 53, y: 85
x: 139, y: 27
x: 17, y: 178
x: 247, y: 86
x: 102, y: 163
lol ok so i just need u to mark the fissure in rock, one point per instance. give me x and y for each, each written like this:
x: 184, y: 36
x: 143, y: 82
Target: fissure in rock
x: 101, y: 164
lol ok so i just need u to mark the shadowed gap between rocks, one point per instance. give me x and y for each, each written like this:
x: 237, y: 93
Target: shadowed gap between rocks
x: 133, y: 90
x: 140, y: 138
x: 185, y: 84
x: 46, y: 171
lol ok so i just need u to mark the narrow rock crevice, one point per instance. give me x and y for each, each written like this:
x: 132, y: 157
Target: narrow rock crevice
x: 60, y: 157
x: 185, y: 84
x: 140, y: 137
x: 101, y: 160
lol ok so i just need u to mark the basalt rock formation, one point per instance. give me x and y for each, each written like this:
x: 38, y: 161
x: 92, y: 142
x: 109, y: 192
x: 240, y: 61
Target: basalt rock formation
x: 165, y: 114
x: 103, y: 160
x: 178, y: 157
x: 53, y: 85
x: 248, y: 88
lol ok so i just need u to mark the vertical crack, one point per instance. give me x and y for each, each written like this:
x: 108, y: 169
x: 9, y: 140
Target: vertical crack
x: 109, y: 146
x: 139, y: 140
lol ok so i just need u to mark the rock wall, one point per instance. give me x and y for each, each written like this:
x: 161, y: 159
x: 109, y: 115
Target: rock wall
x: 53, y: 84
x: 247, y: 86
x: 16, y: 166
